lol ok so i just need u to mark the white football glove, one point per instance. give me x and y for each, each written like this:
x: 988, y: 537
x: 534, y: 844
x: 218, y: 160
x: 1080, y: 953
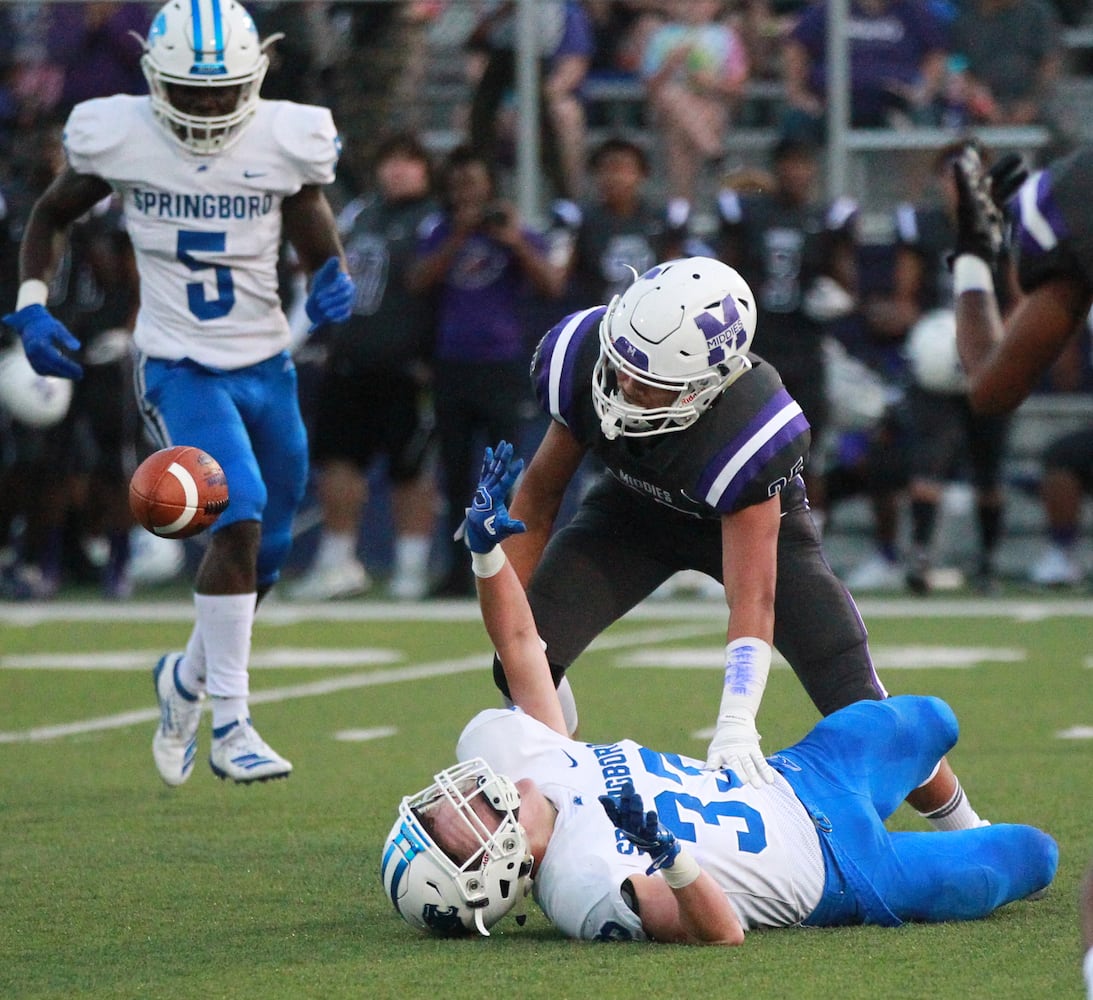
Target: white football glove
x: 735, y: 747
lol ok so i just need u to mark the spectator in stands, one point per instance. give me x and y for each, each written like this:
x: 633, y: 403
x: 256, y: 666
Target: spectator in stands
x: 619, y: 227
x: 1013, y: 58
x: 1067, y: 477
x: 945, y: 432
x: 478, y: 259
x: 694, y: 66
x: 374, y: 395
x: 797, y: 255
x: 93, y: 44
x: 564, y: 32
x: 897, y: 53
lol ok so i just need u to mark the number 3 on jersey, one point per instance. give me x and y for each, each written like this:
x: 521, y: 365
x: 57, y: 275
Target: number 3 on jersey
x: 189, y: 243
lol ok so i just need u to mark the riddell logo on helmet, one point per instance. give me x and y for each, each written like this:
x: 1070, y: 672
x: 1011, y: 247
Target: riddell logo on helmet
x: 722, y: 334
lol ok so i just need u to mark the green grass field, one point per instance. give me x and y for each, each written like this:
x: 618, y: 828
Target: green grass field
x: 114, y: 886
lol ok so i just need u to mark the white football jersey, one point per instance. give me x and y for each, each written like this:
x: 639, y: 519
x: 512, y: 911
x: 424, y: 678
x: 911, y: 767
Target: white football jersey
x: 758, y: 844
x: 206, y: 230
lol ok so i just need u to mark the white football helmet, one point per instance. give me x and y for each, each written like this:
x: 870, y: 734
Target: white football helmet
x: 686, y: 326
x: 32, y: 400
x: 204, y: 43
x: 430, y: 890
x: 932, y: 354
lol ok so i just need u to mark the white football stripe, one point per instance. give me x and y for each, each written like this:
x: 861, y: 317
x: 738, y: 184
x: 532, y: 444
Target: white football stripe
x: 137, y: 659
x: 189, y: 490
x: 884, y: 657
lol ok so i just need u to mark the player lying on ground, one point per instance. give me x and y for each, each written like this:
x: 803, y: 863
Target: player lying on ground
x: 528, y: 807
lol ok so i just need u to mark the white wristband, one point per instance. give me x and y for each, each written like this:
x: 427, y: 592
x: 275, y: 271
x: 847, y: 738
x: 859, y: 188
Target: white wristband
x: 487, y: 564
x: 1087, y: 968
x: 972, y: 274
x: 683, y: 872
x: 747, y: 664
x: 32, y: 292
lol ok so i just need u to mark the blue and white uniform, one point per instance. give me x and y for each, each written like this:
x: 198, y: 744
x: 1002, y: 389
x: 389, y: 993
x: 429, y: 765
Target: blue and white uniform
x: 810, y: 848
x: 206, y: 231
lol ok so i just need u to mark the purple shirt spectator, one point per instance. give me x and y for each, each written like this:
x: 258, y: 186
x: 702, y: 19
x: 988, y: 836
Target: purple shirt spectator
x: 480, y: 306
x: 92, y: 44
x: 889, y: 43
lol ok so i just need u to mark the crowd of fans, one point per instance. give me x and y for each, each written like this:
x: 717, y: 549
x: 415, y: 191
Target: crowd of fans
x: 456, y: 288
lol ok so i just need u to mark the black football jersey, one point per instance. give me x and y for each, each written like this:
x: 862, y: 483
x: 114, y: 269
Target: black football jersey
x: 750, y: 444
x: 1053, y: 222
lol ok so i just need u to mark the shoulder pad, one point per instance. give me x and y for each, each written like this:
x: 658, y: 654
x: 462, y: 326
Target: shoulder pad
x: 306, y: 135
x: 97, y: 128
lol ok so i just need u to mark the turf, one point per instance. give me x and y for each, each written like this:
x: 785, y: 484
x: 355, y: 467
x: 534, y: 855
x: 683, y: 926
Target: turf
x: 115, y: 886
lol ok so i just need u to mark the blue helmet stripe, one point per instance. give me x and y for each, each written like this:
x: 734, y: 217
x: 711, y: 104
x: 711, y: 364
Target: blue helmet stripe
x: 199, y: 30
x: 218, y: 30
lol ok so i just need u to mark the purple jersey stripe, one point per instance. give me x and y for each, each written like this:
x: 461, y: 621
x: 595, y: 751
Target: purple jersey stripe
x: 735, y: 465
x: 558, y: 352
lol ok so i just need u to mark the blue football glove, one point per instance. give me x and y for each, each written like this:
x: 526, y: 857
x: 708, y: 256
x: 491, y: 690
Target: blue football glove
x: 641, y: 828
x: 488, y: 520
x: 43, y: 338
x: 331, y: 297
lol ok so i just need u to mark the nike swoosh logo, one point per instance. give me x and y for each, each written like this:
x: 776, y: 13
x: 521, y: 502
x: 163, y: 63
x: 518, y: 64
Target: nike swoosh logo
x: 254, y: 173
x: 572, y: 759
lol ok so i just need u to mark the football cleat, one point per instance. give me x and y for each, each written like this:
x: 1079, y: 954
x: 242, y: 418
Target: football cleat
x: 239, y: 753
x: 329, y: 583
x: 1056, y: 568
x: 876, y: 573
x: 174, y: 746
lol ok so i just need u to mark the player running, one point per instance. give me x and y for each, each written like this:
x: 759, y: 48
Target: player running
x: 211, y: 177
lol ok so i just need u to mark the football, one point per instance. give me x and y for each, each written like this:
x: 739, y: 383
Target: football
x: 178, y: 492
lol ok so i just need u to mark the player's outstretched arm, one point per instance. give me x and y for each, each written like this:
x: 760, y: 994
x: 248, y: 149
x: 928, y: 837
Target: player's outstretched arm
x: 45, y: 339
x: 539, y: 496
x: 501, y: 597
x: 683, y: 906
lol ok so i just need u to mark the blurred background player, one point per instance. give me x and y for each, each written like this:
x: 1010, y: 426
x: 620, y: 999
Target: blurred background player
x: 210, y: 176
x: 945, y: 434
x: 374, y: 397
x: 789, y: 247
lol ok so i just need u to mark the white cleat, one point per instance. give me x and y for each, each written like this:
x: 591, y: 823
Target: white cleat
x: 876, y: 573
x: 329, y: 583
x: 1056, y: 568
x: 174, y: 747
x: 239, y: 753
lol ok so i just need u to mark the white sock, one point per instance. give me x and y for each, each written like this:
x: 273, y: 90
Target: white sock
x: 569, y: 706
x: 335, y: 549
x: 225, y: 621
x: 191, y: 671
x: 956, y: 814
x: 412, y: 555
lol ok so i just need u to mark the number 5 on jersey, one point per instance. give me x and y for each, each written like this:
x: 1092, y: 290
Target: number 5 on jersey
x: 189, y: 243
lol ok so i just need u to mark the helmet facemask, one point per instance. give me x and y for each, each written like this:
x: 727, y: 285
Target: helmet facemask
x: 684, y: 327
x: 201, y: 44
x: 445, y: 894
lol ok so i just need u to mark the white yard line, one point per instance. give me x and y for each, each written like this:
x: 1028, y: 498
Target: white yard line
x: 26, y: 615
x: 143, y: 659
x: 331, y: 685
